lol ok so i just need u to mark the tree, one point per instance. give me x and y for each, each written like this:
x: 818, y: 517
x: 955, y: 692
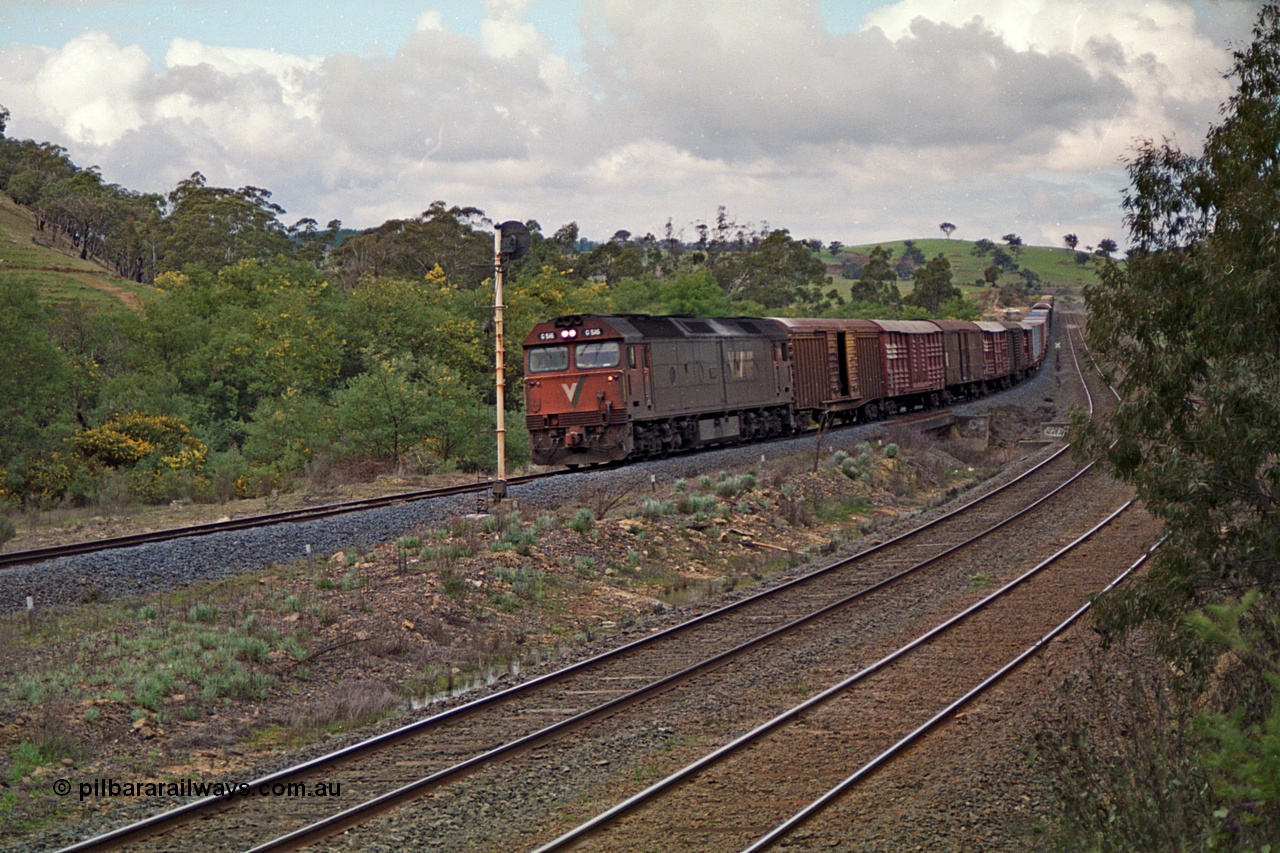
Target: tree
x: 216, y: 227
x: 34, y: 396
x: 401, y: 406
x: 1106, y: 247
x: 1071, y: 241
x: 947, y: 229
x: 913, y: 253
x: 933, y: 285
x: 1014, y: 243
x: 775, y: 272
x: 878, y: 281
x: 1188, y: 329
x: 992, y: 274
x: 452, y: 238
x: 695, y: 293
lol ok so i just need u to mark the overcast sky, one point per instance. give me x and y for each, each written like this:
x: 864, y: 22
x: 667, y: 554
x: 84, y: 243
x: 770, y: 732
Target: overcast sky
x: 849, y: 120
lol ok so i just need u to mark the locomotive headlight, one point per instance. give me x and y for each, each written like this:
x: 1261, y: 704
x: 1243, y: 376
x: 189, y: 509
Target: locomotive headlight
x: 568, y: 333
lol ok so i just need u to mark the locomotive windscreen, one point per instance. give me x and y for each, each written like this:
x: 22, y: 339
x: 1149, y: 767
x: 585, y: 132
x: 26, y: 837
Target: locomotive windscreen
x: 547, y: 359
x: 598, y: 354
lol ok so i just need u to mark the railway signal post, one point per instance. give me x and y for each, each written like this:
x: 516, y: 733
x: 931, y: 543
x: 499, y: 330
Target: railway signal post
x: 510, y: 242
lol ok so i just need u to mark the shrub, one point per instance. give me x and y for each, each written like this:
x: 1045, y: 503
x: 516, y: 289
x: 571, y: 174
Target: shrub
x: 651, y: 508
x: 696, y: 504
x: 202, y: 613
x: 584, y: 521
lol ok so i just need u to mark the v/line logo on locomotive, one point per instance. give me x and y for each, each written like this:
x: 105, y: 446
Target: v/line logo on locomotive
x: 572, y: 391
x: 636, y: 385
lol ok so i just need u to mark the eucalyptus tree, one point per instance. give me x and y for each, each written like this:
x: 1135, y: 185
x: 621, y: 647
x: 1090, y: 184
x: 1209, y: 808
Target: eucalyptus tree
x: 933, y: 285
x: 1189, y: 329
x: 216, y: 227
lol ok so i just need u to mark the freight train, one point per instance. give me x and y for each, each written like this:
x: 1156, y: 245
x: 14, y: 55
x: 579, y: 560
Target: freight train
x: 602, y: 388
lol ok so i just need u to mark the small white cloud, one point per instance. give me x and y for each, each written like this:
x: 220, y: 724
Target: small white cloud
x: 429, y: 21
x: 93, y: 88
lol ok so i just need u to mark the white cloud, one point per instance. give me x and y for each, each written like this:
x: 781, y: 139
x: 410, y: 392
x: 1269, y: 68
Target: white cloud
x: 1171, y: 70
x: 996, y: 115
x: 92, y: 89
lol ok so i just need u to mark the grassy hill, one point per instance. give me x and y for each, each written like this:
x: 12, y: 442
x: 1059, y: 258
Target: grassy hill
x: 57, y: 271
x: 1056, y: 267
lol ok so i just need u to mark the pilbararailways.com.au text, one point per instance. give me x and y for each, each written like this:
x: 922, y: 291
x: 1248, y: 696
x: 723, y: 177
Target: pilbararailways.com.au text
x: 186, y: 788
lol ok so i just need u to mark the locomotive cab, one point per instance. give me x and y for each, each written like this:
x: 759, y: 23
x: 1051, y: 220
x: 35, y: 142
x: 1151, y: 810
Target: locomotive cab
x: 575, y: 391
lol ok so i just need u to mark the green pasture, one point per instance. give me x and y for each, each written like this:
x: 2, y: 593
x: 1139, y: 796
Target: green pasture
x: 59, y: 276
x: 1057, y: 267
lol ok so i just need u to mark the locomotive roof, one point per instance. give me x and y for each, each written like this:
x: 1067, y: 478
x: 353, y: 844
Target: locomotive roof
x: 645, y: 327
x: 807, y: 324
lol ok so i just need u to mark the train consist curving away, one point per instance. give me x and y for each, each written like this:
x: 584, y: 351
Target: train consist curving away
x: 600, y: 388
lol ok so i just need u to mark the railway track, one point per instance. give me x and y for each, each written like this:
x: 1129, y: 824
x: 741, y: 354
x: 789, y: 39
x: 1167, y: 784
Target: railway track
x: 39, y: 555
x: 803, y: 754
x: 451, y: 745
x: 442, y: 750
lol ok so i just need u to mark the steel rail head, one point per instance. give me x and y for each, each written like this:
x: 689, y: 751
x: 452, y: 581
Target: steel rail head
x: 796, y: 820
x: 595, y: 824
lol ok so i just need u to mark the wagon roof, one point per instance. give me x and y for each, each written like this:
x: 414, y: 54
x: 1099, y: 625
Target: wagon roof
x: 990, y: 326
x: 955, y: 325
x: 807, y: 324
x: 911, y: 326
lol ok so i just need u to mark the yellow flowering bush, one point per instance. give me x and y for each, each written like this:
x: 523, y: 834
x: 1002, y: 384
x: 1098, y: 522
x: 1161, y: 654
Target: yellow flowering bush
x: 124, y: 441
x: 161, y: 455
x: 48, y: 478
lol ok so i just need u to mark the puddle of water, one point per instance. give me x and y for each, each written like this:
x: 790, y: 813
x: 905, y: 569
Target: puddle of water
x: 693, y: 591
x: 465, y: 683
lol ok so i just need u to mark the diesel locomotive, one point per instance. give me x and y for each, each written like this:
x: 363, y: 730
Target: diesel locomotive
x: 601, y: 388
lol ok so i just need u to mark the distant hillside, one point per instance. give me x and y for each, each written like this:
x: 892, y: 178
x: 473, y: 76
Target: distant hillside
x: 1056, y: 267
x: 58, y: 272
